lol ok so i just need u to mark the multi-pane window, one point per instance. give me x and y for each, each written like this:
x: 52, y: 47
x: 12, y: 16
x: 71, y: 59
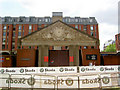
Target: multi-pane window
x: 8, y: 28
x: 23, y: 27
x: 85, y: 27
x: 39, y: 26
x: 76, y: 26
x: 20, y: 27
x: 80, y: 27
x: 14, y: 27
x: 23, y: 31
x: 13, y: 34
x: 4, y: 27
x: 116, y: 37
x: 46, y: 20
x: 13, y: 46
x: 29, y: 32
x: 95, y: 28
x: 85, y: 47
x: 4, y: 39
x: 95, y: 34
x: 8, y: 33
x: 18, y: 47
x: 3, y: 46
x: 91, y: 33
x: 4, y: 33
x: 30, y: 27
x: 119, y: 37
x: 19, y: 33
x: 91, y: 27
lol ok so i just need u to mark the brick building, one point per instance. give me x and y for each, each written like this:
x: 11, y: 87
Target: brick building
x: 14, y: 28
x: 117, y: 38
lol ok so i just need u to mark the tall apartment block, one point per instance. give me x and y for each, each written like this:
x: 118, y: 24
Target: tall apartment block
x: 14, y: 28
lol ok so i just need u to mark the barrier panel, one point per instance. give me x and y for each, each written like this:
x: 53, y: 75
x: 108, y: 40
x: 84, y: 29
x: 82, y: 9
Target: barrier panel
x: 3, y: 78
x: 92, y: 81
x: 19, y: 81
x: 98, y: 69
x: 45, y: 81
x: 46, y: 78
x: 39, y: 70
x: 67, y: 82
x: 60, y: 70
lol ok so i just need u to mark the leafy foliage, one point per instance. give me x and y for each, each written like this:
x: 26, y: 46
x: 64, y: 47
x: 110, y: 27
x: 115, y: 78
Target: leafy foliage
x: 110, y: 48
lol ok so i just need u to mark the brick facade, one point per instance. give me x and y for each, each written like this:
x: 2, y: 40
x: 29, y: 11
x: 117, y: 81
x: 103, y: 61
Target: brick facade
x: 19, y: 27
x: 117, y: 38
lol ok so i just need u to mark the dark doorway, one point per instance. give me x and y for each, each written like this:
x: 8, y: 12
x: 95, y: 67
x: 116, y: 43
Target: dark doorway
x: 58, y: 58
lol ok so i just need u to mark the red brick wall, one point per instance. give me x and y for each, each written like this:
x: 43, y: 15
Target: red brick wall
x: 16, y: 35
x: 7, y: 61
x: 90, y: 51
x: 117, y: 42
x: 1, y: 37
x: 10, y: 37
x: 23, y: 54
x: 111, y: 60
x: 35, y: 28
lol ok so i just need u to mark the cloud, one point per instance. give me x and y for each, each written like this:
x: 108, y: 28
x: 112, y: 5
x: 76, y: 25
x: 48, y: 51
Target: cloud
x: 73, y: 7
x: 106, y: 32
x: 109, y: 16
x: 12, y: 8
x: 105, y: 11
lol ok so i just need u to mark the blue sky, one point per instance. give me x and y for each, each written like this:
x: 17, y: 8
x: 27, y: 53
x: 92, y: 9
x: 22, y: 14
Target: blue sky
x: 105, y: 11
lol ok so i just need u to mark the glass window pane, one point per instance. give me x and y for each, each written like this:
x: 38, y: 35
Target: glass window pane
x: 76, y: 26
x: 80, y: 27
x: 91, y: 33
x: 3, y: 46
x: 85, y: 47
x: 95, y: 28
x: 91, y: 27
x: 30, y: 27
x: 4, y: 39
x: 4, y: 33
x: 13, y: 34
x: 19, y: 33
x: 85, y: 27
x: 20, y: 27
x: 4, y: 27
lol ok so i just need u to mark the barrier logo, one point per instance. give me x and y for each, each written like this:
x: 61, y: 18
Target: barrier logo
x: 31, y: 81
x: 82, y: 69
x: 21, y: 70
x: 106, y: 80
x: 41, y: 70
x: 2, y: 71
x: 69, y: 82
x: 61, y: 69
x: 101, y: 69
x: 118, y: 68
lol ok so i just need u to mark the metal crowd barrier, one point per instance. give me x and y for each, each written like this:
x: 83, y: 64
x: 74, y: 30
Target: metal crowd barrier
x: 103, y: 81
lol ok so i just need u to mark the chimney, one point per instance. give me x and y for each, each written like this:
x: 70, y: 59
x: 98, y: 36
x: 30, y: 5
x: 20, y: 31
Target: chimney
x: 57, y: 16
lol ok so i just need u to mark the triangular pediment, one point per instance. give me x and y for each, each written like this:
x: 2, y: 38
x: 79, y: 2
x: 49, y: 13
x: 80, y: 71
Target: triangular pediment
x: 58, y: 33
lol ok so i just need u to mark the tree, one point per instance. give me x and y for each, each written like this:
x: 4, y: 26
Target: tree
x: 110, y: 48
